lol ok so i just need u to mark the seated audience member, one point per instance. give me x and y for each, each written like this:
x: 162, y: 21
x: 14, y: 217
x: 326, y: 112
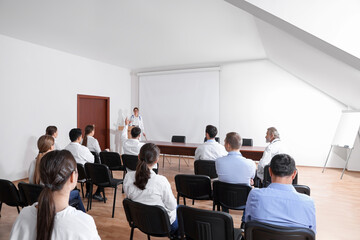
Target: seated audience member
x: 45, y: 145
x: 146, y: 187
x: 234, y: 168
x: 279, y: 203
x: 53, y: 131
x: 275, y: 147
x: 82, y: 155
x: 210, y: 150
x: 131, y: 146
x: 89, y: 141
x: 52, y: 217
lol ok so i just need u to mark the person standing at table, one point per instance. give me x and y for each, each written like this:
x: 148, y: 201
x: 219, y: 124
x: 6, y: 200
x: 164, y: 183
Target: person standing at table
x: 137, y: 120
x: 210, y: 150
x: 275, y: 147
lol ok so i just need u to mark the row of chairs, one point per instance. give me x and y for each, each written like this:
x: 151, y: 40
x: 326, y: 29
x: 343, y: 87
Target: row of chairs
x: 202, y: 224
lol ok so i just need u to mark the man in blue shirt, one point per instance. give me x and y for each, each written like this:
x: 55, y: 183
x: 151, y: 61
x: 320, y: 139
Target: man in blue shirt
x: 234, y: 168
x: 279, y: 203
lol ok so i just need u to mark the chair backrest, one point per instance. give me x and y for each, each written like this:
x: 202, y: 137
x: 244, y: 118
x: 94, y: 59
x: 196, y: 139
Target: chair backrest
x: 216, y: 139
x: 111, y: 159
x: 261, y: 231
x: 205, y: 167
x: 267, y: 177
x: 178, y: 139
x: 81, y: 172
x: 229, y: 195
x: 193, y: 186
x: 98, y: 173
x: 96, y: 157
x: 9, y: 193
x: 247, y: 142
x: 151, y: 220
x: 203, y: 224
x: 302, y: 189
x: 130, y: 161
x: 30, y: 191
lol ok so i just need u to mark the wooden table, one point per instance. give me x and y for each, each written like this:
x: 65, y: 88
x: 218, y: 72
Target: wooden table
x: 188, y: 149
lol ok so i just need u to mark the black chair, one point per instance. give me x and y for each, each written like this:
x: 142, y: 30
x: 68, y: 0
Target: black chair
x: 82, y: 177
x: 151, y: 220
x: 100, y: 175
x: 113, y: 161
x: 202, y: 224
x: 263, y: 231
x: 130, y: 162
x: 31, y: 192
x: 9, y: 195
x: 230, y: 196
x: 96, y: 157
x: 247, y: 142
x: 216, y: 139
x: 302, y: 189
x: 205, y: 167
x: 267, y: 178
x: 195, y: 187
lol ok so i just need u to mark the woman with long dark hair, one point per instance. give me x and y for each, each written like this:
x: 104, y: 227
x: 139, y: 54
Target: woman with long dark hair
x: 146, y: 187
x: 52, y: 217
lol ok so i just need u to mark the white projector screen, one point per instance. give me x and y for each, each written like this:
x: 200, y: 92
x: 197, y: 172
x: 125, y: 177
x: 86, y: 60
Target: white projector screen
x: 179, y: 104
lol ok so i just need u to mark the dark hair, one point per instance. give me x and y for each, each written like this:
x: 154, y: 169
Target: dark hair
x: 136, y: 108
x: 88, y: 130
x: 149, y: 153
x: 50, y: 130
x: 44, y: 143
x: 135, y: 132
x: 55, y: 167
x: 233, y: 139
x: 211, y: 130
x: 74, y: 134
x: 282, y: 165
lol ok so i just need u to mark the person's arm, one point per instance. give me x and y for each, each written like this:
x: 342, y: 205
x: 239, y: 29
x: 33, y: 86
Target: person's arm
x: 89, y: 157
x: 197, y: 154
x: 97, y: 146
x: 141, y: 126
x: 265, y: 160
x: 124, y: 133
x: 168, y: 196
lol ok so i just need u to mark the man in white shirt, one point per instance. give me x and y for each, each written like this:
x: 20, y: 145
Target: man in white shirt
x: 210, y: 150
x: 82, y: 155
x: 136, y: 120
x: 131, y: 146
x: 275, y: 147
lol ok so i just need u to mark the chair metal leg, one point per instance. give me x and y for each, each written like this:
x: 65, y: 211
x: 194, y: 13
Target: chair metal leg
x: 103, y: 191
x: 179, y: 163
x: 148, y: 237
x: 82, y: 189
x: 193, y: 202
x: 132, y: 233
x: 89, y: 198
x: 213, y: 206
x: 184, y: 201
x: 18, y: 209
x: 178, y: 199
x: 0, y: 208
x: 113, y: 211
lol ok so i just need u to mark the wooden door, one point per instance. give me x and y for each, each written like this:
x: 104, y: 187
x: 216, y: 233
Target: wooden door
x: 95, y: 110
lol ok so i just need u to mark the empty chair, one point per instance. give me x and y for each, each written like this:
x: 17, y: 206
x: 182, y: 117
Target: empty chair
x: 196, y: 187
x: 262, y: 231
x: 205, y: 167
x: 82, y: 178
x: 31, y: 192
x: 247, y: 142
x: 96, y: 157
x: 113, y: 161
x: 302, y: 189
x: 267, y: 177
x: 199, y: 224
x: 100, y: 175
x: 9, y: 195
x: 151, y: 220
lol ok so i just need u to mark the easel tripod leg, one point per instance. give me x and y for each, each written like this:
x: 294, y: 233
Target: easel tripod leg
x: 327, y: 158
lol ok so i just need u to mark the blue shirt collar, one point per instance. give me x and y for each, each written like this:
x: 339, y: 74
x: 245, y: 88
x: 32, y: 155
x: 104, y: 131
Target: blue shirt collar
x: 210, y: 140
x: 235, y: 153
x: 284, y: 187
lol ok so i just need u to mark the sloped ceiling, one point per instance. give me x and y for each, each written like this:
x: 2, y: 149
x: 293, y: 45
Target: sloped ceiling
x: 136, y: 33
x: 328, y: 68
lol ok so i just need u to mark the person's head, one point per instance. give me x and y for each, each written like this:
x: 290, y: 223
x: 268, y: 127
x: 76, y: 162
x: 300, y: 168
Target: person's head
x: 232, y: 142
x: 89, y: 131
x: 271, y: 134
x: 45, y: 144
x: 136, y: 111
x: 211, y: 132
x: 52, y: 131
x: 135, y: 132
x: 148, y: 157
x: 75, y: 135
x: 58, y: 173
x: 282, y: 169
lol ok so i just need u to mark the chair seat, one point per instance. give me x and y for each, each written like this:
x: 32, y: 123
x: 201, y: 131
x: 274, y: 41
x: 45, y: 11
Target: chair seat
x: 237, y: 234
x: 119, y: 168
x: 114, y: 182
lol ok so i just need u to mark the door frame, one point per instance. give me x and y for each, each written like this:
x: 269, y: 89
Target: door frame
x: 107, y: 99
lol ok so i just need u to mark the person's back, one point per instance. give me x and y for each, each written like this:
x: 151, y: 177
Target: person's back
x: 234, y: 168
x: 131, y: 146
x: 210, y: 150
x: 279, y: 203
x: 81, y: 153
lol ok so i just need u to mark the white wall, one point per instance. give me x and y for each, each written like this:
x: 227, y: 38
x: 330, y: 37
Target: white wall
x: 257, y: 95
x: 39, y: 87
